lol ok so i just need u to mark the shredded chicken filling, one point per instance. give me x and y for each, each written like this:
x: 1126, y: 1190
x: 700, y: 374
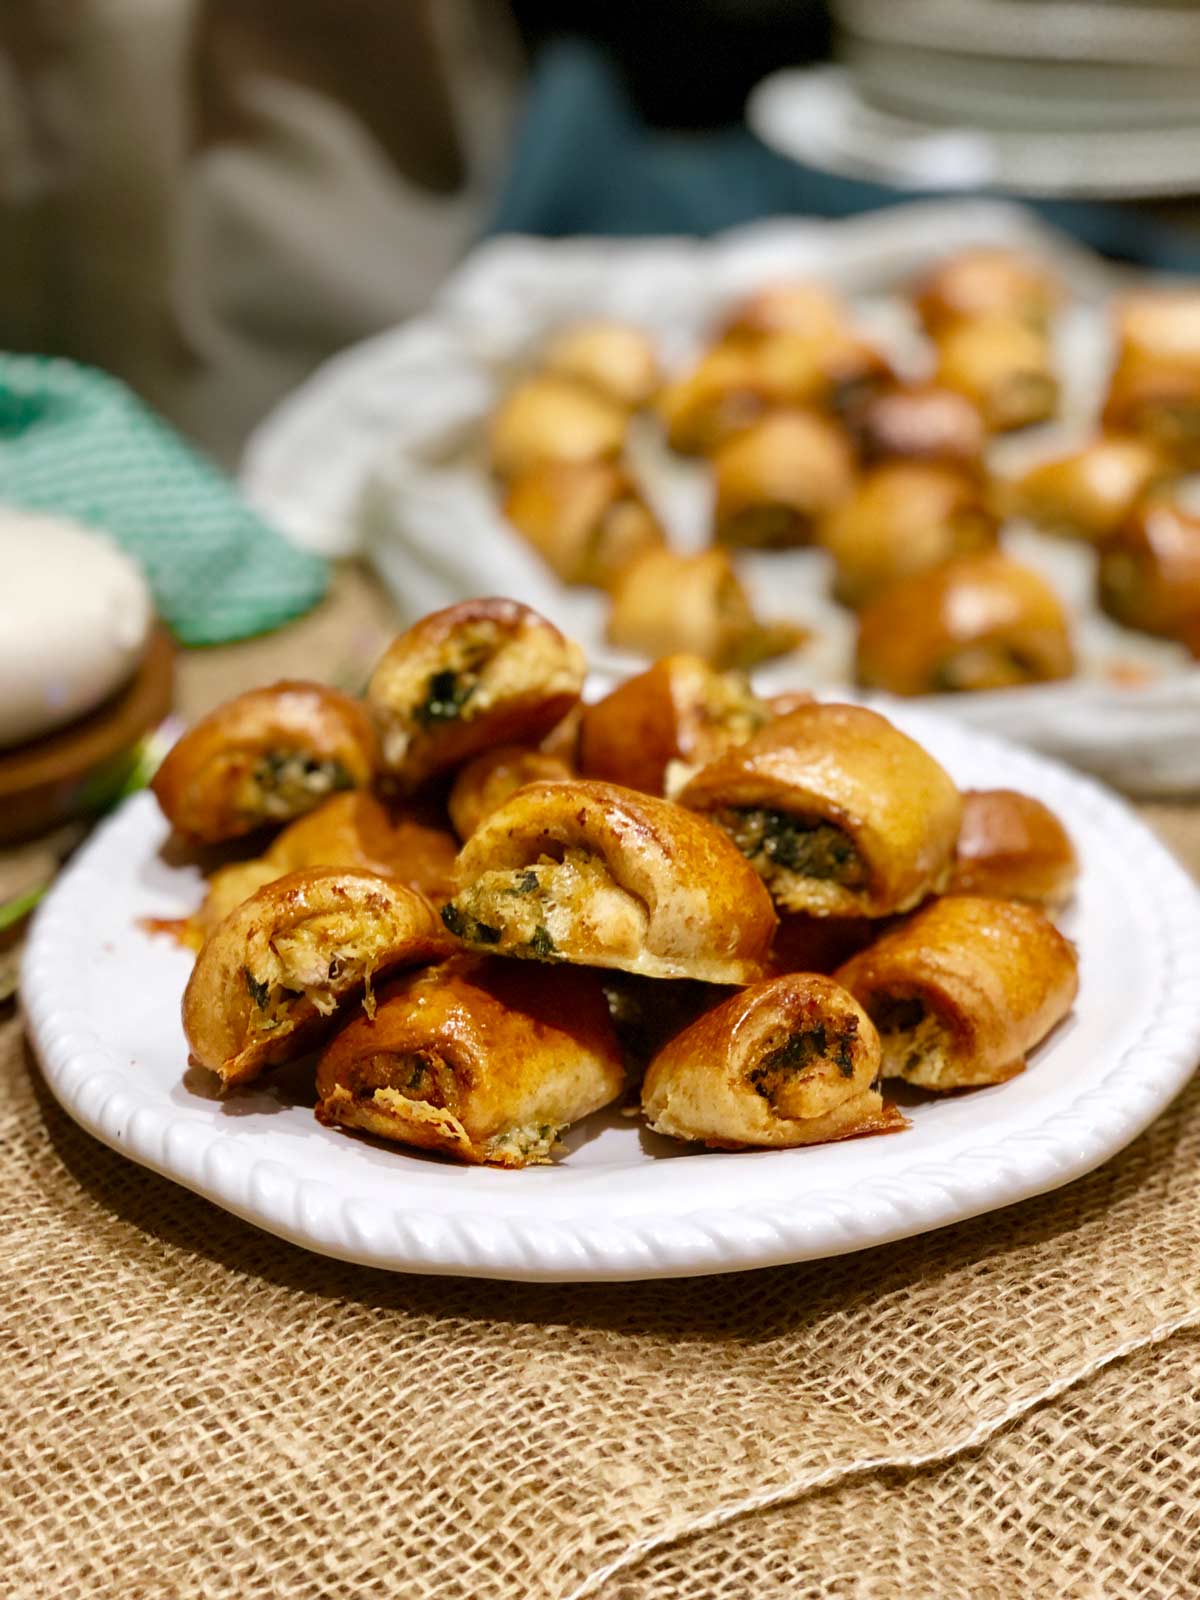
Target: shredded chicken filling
x: 780, y: 842
x: 310, y: 962
x: 551, y: 906
x: 911, y: 1037
x: 417, y: 1075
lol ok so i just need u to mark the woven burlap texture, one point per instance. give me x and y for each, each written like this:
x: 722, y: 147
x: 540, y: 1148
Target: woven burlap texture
x: 195, y: 1411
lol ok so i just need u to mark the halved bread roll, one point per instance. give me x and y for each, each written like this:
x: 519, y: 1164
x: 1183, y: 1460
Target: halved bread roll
x: 265, y: 757
x: 270, y: 978
x: 480, y: 673
x: 789, y: 1062
x: 964, y: 989
x: 838, y: 812
x: 591, y: 873
x: 479, y: 1058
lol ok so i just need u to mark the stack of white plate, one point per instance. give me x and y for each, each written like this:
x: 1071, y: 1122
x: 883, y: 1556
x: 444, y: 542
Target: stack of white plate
x: 1088, y: 97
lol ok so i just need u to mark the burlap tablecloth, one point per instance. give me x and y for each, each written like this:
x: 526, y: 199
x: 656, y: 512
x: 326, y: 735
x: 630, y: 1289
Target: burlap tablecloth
x: 196, y: 1411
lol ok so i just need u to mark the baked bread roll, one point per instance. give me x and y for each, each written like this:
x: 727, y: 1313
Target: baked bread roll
x: 904, y: 517
x: 547, y: 418
x: 1149, y: 571
x: 797, y: 306
x: 485, y: 783
x: 987, y: 281
x: 349, y: 830
x: 1155, y: 385
x: 410, y: 843
x: 266, y: 756
x: 921, y: 422
x: 979, y: 622
x: 1088, y: 493
x: 1004, y: 367
x: 271, y: 978
x: 586, y: 519
x: 613, y: 358
x: 1160, y: 403
x: 1012, y: 847
x: 964, y: 989
x: 666, y: 602
x: 479, y: 1058
x: 678, y: 710
x: 789, y: 1062
x: 590, y: 873
x: 479, y: 673
x: 723, y: 393
x: 837, y: 811
x: 776, y: 478
x: 835, y: 371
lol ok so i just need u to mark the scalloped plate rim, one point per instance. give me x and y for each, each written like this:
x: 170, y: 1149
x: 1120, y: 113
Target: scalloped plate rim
x: 1114, y: 1106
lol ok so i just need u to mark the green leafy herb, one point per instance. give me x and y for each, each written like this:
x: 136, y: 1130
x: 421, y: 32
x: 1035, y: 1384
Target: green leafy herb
x: 527, y: 883
x: 802, y: 845
x: 260, y: 993
x: 484, y: 933
x: 541, y: 944
x: 445, y: 695
x: 453, y: 918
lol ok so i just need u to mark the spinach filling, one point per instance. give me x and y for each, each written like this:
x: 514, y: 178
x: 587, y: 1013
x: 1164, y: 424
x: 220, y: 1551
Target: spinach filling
x: 469, y: 929
x: 803, y: 845
x: 289, y: 779
x: 446, y: 693
x: 802, y: 1050
x: 260, y: 993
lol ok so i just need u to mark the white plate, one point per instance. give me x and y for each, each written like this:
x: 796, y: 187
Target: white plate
x: 820, y: 116
x: 102, y: 1002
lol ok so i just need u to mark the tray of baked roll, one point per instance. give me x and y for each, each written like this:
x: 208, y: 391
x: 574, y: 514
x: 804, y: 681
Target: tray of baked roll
x: 936, y: 452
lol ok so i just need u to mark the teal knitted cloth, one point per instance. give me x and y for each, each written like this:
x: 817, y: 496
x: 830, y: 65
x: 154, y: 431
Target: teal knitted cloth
x: 76, y: 442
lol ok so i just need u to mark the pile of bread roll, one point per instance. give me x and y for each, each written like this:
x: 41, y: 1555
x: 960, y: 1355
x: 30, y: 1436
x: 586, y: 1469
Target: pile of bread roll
x: 494, y: 909
x: 815, y: 439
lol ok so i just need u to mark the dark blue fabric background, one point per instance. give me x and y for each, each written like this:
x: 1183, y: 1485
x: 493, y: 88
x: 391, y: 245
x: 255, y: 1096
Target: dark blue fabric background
x: 584, y: 163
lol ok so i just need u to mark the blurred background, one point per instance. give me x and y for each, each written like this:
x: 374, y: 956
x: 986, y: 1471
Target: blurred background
x: 209, y: 197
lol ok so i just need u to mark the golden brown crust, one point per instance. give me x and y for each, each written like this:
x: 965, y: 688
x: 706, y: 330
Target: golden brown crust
x: 480, y: 673
x: 979, y: 622
x: 776, y: 478
x: 1159, y: 403
x: 667, y: 602
x: 795, y: 306
x: 1004, y: 367
x: 1149, y: 571
x: 591, y: 873
x: 921, y: 422
x: 680, y: 709
x: 723, y: 393
x: 547, y: 418
x: 269, y: 980
x: 265, y: 757
x: 1012, y: 847
x: 987, y: 282
x: 616, y: 360
x: 904, y: 517
x: 964, y: 989
x: 1088, y: 493
x: 486, y: 782
x: 480, y: 1058
x: 834, y: 371
x: 840, y: 812
x: 586, y: 519
x: 408, y: 842
x: 788, y: 1062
